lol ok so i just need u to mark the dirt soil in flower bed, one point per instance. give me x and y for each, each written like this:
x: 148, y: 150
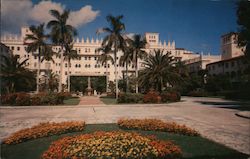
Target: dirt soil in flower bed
x: 193, y: 147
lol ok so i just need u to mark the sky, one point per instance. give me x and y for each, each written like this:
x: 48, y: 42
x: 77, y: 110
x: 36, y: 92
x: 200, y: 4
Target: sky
x: 195, y: 25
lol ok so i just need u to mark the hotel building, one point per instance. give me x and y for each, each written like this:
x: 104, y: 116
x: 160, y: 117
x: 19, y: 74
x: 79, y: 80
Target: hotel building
x: 232, y: 61
x: 87, y: 64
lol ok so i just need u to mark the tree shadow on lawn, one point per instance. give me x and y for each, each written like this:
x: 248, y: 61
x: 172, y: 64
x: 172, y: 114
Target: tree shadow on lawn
x: 238, y: 105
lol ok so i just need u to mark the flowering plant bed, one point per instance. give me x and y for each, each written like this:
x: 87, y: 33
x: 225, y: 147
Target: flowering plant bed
x: 43, y: 130
x: 156, y: 125
x: 116, y: 144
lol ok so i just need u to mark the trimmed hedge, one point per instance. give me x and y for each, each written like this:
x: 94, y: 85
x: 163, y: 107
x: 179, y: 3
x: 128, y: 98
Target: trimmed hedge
x: 170, y: 96
x: 130, y: 98
x: 152, y: 97
x: 25, y: 99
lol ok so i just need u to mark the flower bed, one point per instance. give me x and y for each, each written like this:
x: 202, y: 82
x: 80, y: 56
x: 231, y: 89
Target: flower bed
x: 43, y: 130
x: 156, y: 125
x: 111, y: 145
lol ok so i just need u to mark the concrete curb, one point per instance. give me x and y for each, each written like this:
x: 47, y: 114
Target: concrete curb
x: 243, y: 114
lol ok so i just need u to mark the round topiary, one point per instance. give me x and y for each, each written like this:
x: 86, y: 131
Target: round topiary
x: 111, y: 145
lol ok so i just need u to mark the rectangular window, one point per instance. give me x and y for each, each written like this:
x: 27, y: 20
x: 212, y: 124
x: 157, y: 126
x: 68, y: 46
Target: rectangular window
x: 232, y: 64
x: 18, y: 48
x: 226, y: 65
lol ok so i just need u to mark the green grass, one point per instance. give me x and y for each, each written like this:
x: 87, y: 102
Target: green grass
x: 192, y: 147
x: 108, y: 101
x: 71, y: 101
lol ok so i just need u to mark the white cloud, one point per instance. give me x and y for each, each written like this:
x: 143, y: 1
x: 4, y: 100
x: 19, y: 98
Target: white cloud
x: 16, y: 14
x: 83, y: 16
x: 40, y: 11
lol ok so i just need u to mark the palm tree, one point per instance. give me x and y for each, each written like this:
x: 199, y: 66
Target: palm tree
x: 103, y: 59
x: 70, y: 54
x: 37, y: 41
x: 114, y: 39
x: 12, y: 71
x: 138, y: 44
x: 61, y: 32
x: 159, y: 71
x: 126, y: 59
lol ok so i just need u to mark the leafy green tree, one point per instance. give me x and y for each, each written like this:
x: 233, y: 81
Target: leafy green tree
x: 137, y: 44
x: 61, y: 34
x: 50, y: 83
x: 13, y: 72
x: 159, y: 71
x: 99, y: 83
x: 243, y: 12
x: 114, y: 39
x: 78, y: 84
x: 37, y: 42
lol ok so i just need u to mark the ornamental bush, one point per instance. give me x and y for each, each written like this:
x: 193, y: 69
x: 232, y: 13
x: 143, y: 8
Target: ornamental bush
x: 198, y: 93
x: 41, y: 98
x: 156, y: 125
x: 130, y: 98
x: 44, y: 130
x: 118, y: 144
x: 152, y: 97
x: 170, y: 96
x: 19, y: 99
x: 22, y: 99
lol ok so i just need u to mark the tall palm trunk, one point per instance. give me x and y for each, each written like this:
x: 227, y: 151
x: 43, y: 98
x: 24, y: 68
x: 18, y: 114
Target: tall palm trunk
x: 61, y: 71
x: 38, y: 71
x: 68, y: 76
x: 107, y: 80
x: 116, y: 81
x: 127, y: 82
x: 136, y: 73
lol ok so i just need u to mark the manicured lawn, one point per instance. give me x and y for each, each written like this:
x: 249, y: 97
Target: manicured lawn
x: 192, y: 147
x: 72, y: 101
x: 108, y: 101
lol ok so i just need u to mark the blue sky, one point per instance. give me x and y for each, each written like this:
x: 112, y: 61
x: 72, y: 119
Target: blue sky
x: 194, y: 24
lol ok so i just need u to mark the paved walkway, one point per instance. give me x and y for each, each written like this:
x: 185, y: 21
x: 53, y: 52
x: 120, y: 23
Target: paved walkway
x: 218, y: 124
x: 90, y: 100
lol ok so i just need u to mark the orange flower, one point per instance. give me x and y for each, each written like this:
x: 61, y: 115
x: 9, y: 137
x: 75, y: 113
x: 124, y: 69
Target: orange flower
x: 43, y: 130
x: 156, y: 125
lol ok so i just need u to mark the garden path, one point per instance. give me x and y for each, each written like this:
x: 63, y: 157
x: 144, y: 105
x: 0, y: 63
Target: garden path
x: 212, y: 117
x: 90, y: 100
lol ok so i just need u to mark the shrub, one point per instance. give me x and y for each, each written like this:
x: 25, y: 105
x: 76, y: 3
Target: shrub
x: 65, y: 95
x: 156, y: 125
x: 16, y: 99
x: 152, y: 97
x: 130, y: 98
x: 124, y: 145
x: 41, y: 98
x: 35, y: 101
x: 8, y: 99
x: 43, y: 130
x: 111, y: 94
x: 170, y: 96
x: 22, y: 99
x: 198, y: 93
